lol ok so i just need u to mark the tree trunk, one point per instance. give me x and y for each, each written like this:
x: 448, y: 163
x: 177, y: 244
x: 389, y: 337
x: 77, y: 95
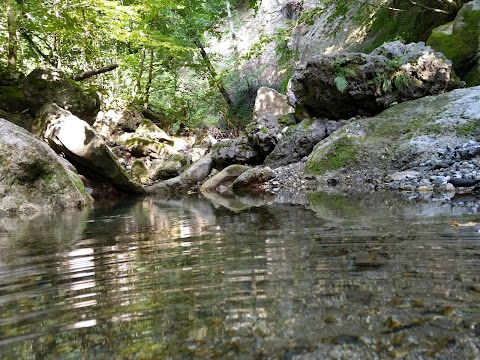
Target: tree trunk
x: 24, y: 33
x: 149, y: 82
x: 138, y: 85
x: 12, y: 34
x: 91, y: 73
x: 213, y: 72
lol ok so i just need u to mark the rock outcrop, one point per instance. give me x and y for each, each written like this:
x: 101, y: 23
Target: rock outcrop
x: 270, y: 102
x: 44, y: 86
x: 34, y: 178
x: 297, y: 142
x: 459, y: 41
x: 235, y: 151
x: 342, y: 85
x: 431, y: 140
x: 73, y: 137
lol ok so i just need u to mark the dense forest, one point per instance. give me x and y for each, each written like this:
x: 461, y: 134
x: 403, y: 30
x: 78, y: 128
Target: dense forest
x: 158, y: 47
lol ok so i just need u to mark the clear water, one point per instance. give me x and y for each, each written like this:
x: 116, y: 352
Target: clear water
x: 329, y: 276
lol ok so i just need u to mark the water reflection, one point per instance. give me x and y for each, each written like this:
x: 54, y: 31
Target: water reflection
x: 324, y: 276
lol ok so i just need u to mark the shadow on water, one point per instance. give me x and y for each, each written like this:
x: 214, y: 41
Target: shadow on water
x: 287, y: 276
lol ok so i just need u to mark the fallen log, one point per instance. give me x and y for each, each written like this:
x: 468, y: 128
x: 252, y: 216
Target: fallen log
x: 90, y: 73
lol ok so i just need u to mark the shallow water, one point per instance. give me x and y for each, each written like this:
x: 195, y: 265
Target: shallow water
x: 327, y: 276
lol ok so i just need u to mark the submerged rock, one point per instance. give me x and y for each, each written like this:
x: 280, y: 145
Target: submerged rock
x: 34, y: 178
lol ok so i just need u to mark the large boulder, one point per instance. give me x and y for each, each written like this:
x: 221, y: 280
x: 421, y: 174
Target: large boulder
x: 235, y: 151
x: 459, y: 40
x: 12, y: 99
x: 148, y: 140
x: 270, y: 102
x: 297, y: 142
x: 343, y: 85
x: 415, y: 135
x: 224, y: 179
x: 186, y: 181
x: 73, y: 137
x: 34, y: 178
x: 264, y: 132
x: 252, y: 179
x: 43, y: 86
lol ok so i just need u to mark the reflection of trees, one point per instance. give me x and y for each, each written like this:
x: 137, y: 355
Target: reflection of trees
x: 181, y: 278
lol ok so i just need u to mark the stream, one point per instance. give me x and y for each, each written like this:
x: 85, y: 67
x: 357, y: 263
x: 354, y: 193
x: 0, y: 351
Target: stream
x: 321, y: 276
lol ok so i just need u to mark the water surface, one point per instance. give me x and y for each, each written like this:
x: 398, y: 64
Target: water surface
x: 327, y: 276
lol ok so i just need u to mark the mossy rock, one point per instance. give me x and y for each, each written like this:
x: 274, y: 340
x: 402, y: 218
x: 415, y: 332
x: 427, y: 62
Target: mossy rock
x: 407, y: 133
x: 142, y: 146
x: 459, y: 41
x: 149, y: 130
x: 406, y: 25
x: 34, y: 178
x: 334, y: 156
x: 12, y: 99
x: 139, y: 171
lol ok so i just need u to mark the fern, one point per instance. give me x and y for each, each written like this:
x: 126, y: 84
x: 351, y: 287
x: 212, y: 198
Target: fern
x: 341, y: 83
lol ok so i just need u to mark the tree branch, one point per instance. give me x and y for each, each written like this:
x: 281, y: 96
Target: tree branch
x: 90, y: 73
x: 428, y: 7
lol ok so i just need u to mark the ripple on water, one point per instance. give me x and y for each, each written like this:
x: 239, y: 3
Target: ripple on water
x: 336, y: 278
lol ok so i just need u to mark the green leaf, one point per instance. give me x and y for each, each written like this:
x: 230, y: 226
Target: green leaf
x: 341, y: 83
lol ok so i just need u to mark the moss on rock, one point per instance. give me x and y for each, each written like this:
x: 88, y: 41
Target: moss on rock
x: 459, y: 41
x: 12, y: 99
x: 332, y: 157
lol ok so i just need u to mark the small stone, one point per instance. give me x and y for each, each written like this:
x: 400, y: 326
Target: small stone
x: 474, y: 287
x: 462, y: 182
x: 449, y: 188
x: 424, y: 188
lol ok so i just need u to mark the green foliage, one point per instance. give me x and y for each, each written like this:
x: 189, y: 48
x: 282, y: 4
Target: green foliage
x: 341, y: 83
x: 343, y: 68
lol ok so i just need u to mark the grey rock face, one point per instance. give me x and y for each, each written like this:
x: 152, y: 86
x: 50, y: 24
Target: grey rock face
x: 297, y: 142
x: 34, y: 178
x: 234, y: 151
x: 67, y: 134
x: 342, y: 85
x: 190, y: 178
x: 270, y: 102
